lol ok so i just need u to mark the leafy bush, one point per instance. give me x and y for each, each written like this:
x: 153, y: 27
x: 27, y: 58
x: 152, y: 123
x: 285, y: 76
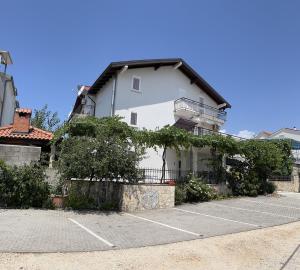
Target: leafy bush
x: 79, y: 202
x: 194, y: 190
x: 180, y: 194
x: 23, y: 186
x: 246, y: 182
x: 269, y: 187
x: 197, y: 191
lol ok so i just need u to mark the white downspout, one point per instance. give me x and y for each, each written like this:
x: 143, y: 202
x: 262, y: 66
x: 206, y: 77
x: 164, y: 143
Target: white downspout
x: 113, y: 98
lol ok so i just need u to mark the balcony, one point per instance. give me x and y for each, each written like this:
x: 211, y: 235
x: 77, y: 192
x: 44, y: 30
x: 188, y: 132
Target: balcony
x: 198, y: 112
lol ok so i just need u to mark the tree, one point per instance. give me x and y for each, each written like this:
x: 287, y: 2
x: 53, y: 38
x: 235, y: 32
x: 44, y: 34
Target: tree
x: 102, y: 149
x: 45, y: 119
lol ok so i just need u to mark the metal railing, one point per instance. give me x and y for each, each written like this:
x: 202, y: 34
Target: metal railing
x: 154, y: 176
x: 280, y: 178
x: 198, y: 108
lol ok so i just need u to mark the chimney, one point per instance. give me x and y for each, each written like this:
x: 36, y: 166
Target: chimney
x: 22, y: 120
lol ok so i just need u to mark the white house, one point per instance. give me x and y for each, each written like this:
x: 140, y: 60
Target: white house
x: 8, y: 92
x: 151, y: 94
x: 285, y: 133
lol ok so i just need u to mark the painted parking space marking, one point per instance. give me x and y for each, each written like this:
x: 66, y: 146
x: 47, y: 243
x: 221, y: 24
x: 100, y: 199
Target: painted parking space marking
x: 271, y: 204
x: 216, y: 217
x: 163, y: 224
x: 255, y: 211
x: 92, y: 233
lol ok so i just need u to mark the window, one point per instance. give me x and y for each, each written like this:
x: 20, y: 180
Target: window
x: 136, y: 84
x: 133, y: 119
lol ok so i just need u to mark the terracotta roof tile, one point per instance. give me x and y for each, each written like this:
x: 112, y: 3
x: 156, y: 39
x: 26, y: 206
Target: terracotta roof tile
x: 34, y: 134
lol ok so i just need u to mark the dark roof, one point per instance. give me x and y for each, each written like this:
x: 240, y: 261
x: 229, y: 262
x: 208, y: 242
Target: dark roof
x: 156, y: 63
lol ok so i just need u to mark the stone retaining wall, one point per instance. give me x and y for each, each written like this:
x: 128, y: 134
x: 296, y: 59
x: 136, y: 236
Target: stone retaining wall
x: 126, y: 197
x: 290, y: 186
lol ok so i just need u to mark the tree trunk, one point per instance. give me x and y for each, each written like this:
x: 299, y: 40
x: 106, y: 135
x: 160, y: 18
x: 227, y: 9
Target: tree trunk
x: 163, y: 175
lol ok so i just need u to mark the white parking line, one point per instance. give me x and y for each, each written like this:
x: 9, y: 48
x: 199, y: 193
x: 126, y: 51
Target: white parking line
x: 272, y: 204
x: 249, y: 210
x: 162, y: 224
x: 92, y: 233
x: 216, y: 217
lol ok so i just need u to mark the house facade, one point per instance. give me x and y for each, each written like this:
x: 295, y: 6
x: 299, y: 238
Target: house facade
x: 152, y: 94
x: 8, y: 92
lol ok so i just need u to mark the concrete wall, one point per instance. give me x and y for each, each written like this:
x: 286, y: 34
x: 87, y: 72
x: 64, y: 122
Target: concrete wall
x: 126, y: 197
x: 19, y: 154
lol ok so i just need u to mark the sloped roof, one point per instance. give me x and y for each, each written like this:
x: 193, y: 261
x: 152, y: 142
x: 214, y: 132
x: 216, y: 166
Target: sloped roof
x: 156, y: 63
x: 34, y: 134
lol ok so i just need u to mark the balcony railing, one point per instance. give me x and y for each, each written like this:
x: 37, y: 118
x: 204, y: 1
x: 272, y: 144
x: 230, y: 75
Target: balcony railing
x: 199, y: 109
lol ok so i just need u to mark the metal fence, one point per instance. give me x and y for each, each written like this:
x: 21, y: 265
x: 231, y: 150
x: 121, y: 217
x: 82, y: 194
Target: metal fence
x: 280, y: 178
x: 148, y: 175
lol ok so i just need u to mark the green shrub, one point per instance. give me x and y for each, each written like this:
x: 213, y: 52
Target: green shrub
x: 180, y: 194
x: 244, y: 182
x: 197, y: 191
x: 79, y: 202
x: 23, y: 186
x: 193, y: 190
x: 269, y: 187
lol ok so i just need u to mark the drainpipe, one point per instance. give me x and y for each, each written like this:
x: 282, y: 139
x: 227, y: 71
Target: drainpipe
x: 3, y: 100
x: 113, y: 98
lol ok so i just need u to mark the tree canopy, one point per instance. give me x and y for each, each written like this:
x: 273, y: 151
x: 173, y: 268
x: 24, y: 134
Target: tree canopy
x: 45, y: 119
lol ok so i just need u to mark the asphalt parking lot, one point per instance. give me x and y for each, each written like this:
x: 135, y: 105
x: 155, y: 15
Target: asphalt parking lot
x: 68, y: 231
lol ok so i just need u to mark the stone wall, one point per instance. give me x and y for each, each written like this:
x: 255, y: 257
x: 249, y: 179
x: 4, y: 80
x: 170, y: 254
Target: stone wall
x: 19, y: 154
x: 145, y: 197
x: 291, y: 186
x: 126, y: 197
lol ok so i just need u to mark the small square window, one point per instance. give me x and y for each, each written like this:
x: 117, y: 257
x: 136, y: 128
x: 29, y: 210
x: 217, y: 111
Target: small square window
x: 136, y: 84
x: 133, y: 119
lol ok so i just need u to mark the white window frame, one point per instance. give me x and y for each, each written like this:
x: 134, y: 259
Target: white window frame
x: 140, y: 80
x: 136, y: 119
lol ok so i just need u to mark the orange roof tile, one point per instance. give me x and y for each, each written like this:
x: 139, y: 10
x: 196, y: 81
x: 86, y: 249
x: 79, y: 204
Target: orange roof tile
x: 34, y: 134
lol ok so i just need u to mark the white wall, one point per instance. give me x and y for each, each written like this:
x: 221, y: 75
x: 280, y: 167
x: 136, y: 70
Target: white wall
x: 154, y: 105
x: 9, y: 104
x: 103, y: 100
x: 159, y: 89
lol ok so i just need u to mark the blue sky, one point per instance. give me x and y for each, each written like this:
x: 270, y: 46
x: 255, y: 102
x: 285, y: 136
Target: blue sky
x: 249, y: 51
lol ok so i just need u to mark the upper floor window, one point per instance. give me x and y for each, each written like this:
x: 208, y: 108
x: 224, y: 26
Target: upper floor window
x: 136, y: 84
x: 133, y: 118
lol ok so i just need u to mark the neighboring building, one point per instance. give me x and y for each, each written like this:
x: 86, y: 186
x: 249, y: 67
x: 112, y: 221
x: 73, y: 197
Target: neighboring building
x: 151, y: 94
x: 285, y: 133
x: 21, y: 143
x: 8, y: 92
